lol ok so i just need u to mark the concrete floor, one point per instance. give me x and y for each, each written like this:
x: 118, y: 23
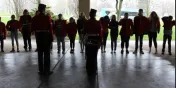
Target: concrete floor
x: 19, y: 70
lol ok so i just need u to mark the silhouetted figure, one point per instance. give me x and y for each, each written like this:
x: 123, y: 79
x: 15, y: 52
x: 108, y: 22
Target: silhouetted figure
x: 105, y: 23
x: 25, y: 21
x: 80, y: 25
x: 93, y: 41
x: 72, y: 30
x: 41, y: 24
x: 125, y: 32
x: 36, y: 13
x: 140, y: 27
x: 154, y: 28
x: 3, y: 34
x: 13, y: 26
x: 60, y: 32
x: 168, y: 24
x: 113, y: 26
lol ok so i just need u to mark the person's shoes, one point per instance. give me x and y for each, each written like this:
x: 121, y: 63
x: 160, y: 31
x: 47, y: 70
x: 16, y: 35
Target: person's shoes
x: 156, y: 52
x: 81, y: 51
x: 162, y: 53
x: 135, y: 52
x: 121, y: 51
x: 149, y: 50
x: 18, y: 50
x: 25, y: 50
x: 170, y: 53
x: 112, y: 52
x: 12, y: 50
x: 127, y: 52
x: 30, y: 50
x: 2, y: 51
x: 141, y: 52
x: 104, y: 51
x: 63, y: 52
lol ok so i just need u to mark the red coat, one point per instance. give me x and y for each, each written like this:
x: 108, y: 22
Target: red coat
x: 157, y: 24
x: 3, y: 29
x: 13, y: 25
x: 71, y: 29
x: 140, y: 25
x: 127, y: 26
x: 93, y: 26
x: 63, y: 28
x: 26, y: 20
x: 105, y: 25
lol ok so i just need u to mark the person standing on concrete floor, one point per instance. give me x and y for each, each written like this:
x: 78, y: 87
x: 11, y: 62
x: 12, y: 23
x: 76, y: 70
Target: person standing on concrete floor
x: 60, y: 32
x: 105, y: 23
x: 140, y: 27
x: 113, y: 26
x: 125, y: 32
x: 154, y: 28
x: 80, y: 25
x: 25, y: 21
x: 92, y: 30
x: 41, y: 24
x: 71, y: 31
x: 168, y: 24
x: 13, y: 26
x: 3, y: 34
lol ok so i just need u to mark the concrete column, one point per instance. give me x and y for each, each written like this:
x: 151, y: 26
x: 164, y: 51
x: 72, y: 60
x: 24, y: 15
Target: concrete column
x: 84, y: 6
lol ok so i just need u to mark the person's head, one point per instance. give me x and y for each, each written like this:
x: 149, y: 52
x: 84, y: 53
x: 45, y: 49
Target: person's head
x: 106, y: 17
x: 126, y: 15
x: 92, y: 13
x: 113, y: 17
x: 170, y: 18
x: 140, y: 12
x: 153, y: 15
x: 41, y: 8
x: 13, y: 17
x: 25, y: 12
x: 60, y: 16
x: 37, y: 13
x: 71, y: 20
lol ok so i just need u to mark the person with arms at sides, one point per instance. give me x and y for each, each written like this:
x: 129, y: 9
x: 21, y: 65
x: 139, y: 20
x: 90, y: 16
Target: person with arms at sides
x: 80, y: 25
x: 154, y: 28
x: 41, y: 24
x: 113, y: 26
x: 60, y: 32
x: 3, y: 34
x: 168, y: 24
x: 125, y: 32
x: 105, y: 24
x: 92, y: 30
x: 140, y: 27
x: 25, y: 21
x: 71, y: 31
x: 13, y: 26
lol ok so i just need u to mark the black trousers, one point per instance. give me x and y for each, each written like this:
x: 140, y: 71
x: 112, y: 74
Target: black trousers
x: 72, y: 41
x: 152, y: 37
x: 43, y: 45
x: 113, y: 41
x: 105, y: 36
x: 141, y: 42
x: 165, y: 38
x: 125, y: 41
x: 91, y: 57
x: 27, y: 39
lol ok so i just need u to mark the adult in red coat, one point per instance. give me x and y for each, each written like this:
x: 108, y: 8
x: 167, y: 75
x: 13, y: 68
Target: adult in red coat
x: 125, y: 32
x: 105, y: 25
x: 140, y: 28
x: 71, y: 31
x: 154, y: 28
x: 92, y: 29
x: 25, y: 21
x: 60, y: 32
x: 2, y: 34
x: 41, y: 24
x: 13, y: 26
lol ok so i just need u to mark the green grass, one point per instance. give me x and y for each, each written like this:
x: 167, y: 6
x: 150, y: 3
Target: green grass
x: 159, y: 37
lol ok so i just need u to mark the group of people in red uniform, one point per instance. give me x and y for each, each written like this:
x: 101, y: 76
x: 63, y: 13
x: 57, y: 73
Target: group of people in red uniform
x: 92, y: 34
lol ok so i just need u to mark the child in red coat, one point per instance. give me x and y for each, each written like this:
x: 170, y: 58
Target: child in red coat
x: 71, y: 31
